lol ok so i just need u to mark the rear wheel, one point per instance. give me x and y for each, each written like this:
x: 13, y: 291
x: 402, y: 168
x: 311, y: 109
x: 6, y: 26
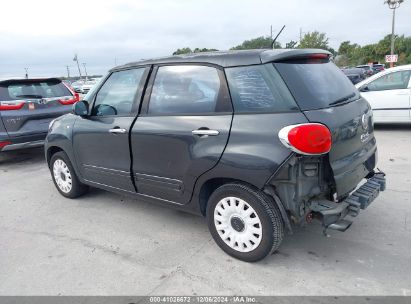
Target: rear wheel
x: 64, y: 177
x: 244, y: 223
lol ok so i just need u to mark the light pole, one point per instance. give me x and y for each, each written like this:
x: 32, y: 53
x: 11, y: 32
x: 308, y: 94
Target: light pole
x: 68, y: 72
x: 78, y: 66
x: 85, y: 69
x: 393, y: 4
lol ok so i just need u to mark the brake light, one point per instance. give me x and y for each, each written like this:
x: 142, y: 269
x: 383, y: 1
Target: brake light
x: 11, y: 105
x: 68, y: 100
x: 307, y: 139
x: 318, y: 56
x: 4, y: 143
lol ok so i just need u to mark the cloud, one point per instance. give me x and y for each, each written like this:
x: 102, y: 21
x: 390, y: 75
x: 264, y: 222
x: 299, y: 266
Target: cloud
x: 44, y: 34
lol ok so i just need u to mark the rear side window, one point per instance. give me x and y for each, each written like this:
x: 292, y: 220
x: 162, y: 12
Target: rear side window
x: 184, y: 89
x: 259, y: 88
x: 14, y: 90
x: 116, y: 96
x: 316, y: 85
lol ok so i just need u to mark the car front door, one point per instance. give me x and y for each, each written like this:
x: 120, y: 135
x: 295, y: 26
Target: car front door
x: 389, y: 96
x: 181, y: 131
x: 101, y: 140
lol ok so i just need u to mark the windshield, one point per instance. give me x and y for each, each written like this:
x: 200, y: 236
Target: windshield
x: 316, y: 85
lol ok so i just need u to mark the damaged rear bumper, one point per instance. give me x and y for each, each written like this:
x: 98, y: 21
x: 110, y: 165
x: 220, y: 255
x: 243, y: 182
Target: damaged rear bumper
x: 333, y: 214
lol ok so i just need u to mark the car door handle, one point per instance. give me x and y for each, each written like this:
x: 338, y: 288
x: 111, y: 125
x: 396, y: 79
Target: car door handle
x: 117, y: 131
x: 202, y: 132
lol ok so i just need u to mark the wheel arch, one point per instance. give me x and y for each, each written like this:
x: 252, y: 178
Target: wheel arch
x: 51, y: 151
x: 210, y: 185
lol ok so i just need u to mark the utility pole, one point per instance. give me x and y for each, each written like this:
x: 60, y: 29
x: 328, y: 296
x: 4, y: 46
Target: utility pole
x: 301, y: 33
x: 68, y: 72
x: 27, y: 73
x: 78, y: 66
x: 85, y: 69
x: 271, y: 35
x: 393, y: 5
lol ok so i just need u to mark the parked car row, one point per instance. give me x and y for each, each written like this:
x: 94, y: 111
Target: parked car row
x: 362, y: 72
x: 84, y: 86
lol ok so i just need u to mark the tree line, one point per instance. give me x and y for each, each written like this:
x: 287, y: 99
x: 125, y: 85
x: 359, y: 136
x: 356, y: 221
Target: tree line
x: 348, y: 53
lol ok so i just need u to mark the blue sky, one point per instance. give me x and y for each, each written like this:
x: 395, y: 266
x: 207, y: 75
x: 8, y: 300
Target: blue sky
x: 43, y: 35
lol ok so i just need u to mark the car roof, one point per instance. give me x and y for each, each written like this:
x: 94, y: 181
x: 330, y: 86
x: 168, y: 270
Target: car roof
x: 228, y: 58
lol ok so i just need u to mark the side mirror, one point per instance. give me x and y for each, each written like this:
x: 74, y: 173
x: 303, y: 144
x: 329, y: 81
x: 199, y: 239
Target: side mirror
x: 80, y: 108
x: 364, y: 88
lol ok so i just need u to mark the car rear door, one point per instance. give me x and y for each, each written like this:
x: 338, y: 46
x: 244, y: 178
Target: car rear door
x: 101, y: 140
x: 182, y: 130
x: 27, y: 106
x: 389, y: 96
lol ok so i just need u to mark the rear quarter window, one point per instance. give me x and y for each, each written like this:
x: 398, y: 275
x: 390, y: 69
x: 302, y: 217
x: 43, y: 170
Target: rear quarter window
x: 259, y: 88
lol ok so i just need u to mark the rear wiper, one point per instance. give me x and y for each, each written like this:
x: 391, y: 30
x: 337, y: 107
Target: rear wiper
x: 343, y: 99
x: 29, y: 96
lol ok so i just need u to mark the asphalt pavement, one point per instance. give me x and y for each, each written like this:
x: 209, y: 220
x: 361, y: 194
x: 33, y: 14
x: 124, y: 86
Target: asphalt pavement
x: 107, y: 244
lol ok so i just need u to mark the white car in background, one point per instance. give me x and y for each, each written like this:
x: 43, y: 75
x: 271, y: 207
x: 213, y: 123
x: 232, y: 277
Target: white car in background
x: 389, y: 94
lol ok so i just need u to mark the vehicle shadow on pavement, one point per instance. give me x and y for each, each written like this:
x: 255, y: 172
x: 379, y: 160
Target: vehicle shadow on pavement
x: 32, y: 156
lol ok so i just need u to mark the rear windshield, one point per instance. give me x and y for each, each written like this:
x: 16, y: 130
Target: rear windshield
x: 259, y: 88
x: 14, y: 90
x: 316, y: 85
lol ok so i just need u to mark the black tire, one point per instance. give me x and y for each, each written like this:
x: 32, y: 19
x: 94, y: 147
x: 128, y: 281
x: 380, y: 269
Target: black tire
x: 270, y: 217
x: 77, y: 188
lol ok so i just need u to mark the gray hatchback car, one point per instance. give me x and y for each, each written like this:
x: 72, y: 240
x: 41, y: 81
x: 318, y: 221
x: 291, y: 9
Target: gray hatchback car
x: 27, y: 106
x: 256, y: 141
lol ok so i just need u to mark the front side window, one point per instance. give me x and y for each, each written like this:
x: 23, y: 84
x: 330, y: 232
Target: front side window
x: 393, y: 81
x: 116, y: 96
x: 184, y: 89
x: 259, y: 88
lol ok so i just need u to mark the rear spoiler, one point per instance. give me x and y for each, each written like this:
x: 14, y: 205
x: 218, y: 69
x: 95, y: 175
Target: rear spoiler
x: 30, y: 80
x: 273, y: 56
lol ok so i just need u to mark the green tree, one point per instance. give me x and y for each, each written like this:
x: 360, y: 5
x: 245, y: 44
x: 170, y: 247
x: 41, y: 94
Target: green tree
x: 314, y: 40
x: 187, y: 50
x: 290, y: 45
x: 347, y: 48
x: 198, y: 50
x: 256, y: 43
x: 181, y: 51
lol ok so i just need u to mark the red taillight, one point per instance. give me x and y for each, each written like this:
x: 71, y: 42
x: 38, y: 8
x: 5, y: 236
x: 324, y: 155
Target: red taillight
x: 68, y: 100
x: 318, y: 56
x: 308, y: 139
x: 11, y: 105
x: 4, y: 143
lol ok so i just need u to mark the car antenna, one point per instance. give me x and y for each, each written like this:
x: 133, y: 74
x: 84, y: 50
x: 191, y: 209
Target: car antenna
x: 279, y: 33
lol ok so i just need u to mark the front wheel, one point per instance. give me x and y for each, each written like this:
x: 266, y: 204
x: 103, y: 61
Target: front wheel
x: 244, y: 222
x: 64, y: 177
